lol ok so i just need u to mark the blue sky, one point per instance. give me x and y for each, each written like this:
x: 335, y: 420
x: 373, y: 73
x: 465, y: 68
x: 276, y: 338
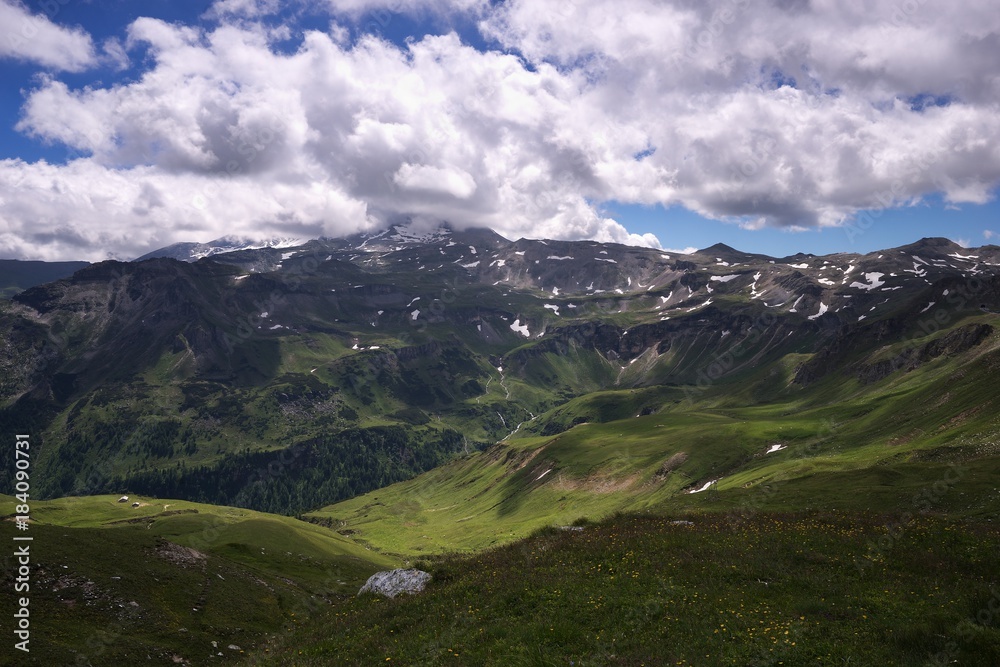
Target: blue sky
x: 126, y: 126
x: 879, y: 229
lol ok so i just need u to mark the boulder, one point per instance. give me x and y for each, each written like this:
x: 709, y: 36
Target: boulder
x: 391, y: 583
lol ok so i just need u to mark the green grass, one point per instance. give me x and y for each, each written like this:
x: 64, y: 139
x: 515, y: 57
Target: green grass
x: 113, y: 583
x: 773, y: 589
x: 871, y: 450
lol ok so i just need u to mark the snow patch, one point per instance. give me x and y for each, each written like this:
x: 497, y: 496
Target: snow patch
x: 822, y: 309
x: 874, y: 280
x: 520, y: 328
x: 700, y: 306
x: 704, y: 488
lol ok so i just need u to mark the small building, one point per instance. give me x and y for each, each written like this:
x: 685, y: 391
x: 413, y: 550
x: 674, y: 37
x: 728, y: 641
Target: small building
x: 123, y: 499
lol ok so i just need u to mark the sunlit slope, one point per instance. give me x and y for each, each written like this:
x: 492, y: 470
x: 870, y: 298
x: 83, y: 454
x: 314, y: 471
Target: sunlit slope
x: 842, y: 443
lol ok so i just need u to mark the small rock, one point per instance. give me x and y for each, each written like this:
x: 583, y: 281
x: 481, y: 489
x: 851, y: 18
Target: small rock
x: 575, y: 529
x: 681, y: 522
x: 234, y: 647
x: 391, y: 583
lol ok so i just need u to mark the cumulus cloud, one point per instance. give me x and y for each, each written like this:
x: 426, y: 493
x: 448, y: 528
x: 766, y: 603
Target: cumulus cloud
x: 35, y: 38
x: 91, y: 212
x: 777, y: 113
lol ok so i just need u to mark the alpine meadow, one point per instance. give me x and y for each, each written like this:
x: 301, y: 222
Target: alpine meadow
x: 520, y: 333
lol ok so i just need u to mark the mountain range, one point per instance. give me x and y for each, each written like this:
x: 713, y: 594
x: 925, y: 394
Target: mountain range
x: 716, y: 457
x: 350, y: 364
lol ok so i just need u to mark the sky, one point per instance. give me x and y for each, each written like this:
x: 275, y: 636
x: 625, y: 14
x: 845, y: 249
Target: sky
x: 774, y: 126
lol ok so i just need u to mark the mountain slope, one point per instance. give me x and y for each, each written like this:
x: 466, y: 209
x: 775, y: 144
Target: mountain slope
x: 350, y: 364
x: 173, y: 582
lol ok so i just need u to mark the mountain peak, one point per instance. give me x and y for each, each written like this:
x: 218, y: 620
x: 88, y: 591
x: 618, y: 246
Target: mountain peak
x: 932, y: 244
x: 719, y: 248
x: 192, y: 252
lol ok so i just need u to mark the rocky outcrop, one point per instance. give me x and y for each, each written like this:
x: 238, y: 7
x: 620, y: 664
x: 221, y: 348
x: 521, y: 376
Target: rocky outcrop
x: 958, y: 341
x: 391, y: 583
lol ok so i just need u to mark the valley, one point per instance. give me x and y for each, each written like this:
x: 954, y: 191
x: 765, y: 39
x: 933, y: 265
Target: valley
x: 767, y: 438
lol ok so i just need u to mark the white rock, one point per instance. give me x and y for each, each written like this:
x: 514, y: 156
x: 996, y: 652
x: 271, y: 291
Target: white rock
x: 391, y: 583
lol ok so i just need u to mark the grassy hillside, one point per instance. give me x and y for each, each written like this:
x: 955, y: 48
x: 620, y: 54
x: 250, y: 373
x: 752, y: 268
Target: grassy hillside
x: 841, y: 444
x: 780, y: 589
x: 158, y: 584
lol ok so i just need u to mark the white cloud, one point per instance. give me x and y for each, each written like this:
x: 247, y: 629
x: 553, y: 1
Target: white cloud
x: 454, y: 182
x: 639, y: 101
x: 115, y: 54
x: 703, y: 84
x: 385, y: 8
x: 990, y: 234
x: 223, y: 9
x: 91, y: 212
x: 35, y: 38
